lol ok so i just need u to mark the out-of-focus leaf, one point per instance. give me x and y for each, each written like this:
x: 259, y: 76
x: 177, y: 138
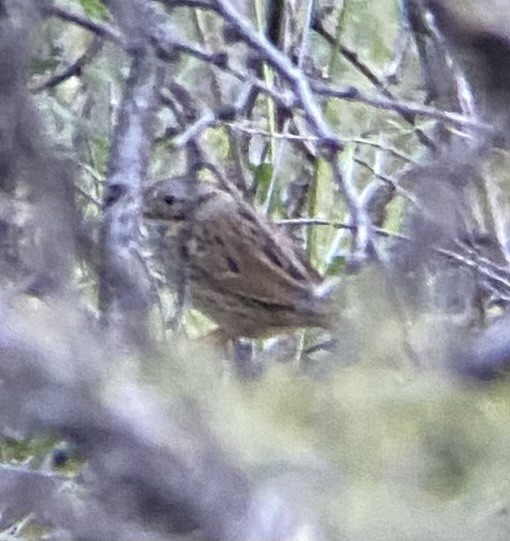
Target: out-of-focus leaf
x: 94, y: 8
x: 262, y: 175
x: 337, y: 266
x: 42, y: 65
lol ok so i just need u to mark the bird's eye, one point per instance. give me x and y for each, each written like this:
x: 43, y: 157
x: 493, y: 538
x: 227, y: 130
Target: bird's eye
x: 169, y: 199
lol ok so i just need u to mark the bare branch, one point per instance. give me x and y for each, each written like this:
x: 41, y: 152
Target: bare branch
x: 125, y: 286
x: 100, y: 29
x: 402, y: 107
x: 73, y: 70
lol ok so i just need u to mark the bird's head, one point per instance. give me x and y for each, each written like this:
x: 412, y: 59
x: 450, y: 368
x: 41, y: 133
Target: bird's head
x: 170, y: 200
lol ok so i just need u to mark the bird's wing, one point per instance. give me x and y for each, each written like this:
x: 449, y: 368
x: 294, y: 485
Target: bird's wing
x: 242, y: 252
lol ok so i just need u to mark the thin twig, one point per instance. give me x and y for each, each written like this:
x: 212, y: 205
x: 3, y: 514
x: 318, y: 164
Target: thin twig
x: 280, y: 62
x: 401, y: 106
x: 284, y: 67
x: 313, y: 115
x: 313, y: 139
x: 197, y: 4
x: 353, y: 59
x: 103, y: 30
x: 298, y: 222
x: 74, y: 69
x: 481, y: 265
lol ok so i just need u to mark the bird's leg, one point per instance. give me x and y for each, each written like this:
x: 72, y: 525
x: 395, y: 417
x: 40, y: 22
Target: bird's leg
x: 245, y: 362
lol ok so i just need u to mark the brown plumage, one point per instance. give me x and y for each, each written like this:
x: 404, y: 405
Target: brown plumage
x: 244, y: 272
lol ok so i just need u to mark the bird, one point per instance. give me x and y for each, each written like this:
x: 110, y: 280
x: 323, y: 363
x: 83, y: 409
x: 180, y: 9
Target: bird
x: 243, y: 271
